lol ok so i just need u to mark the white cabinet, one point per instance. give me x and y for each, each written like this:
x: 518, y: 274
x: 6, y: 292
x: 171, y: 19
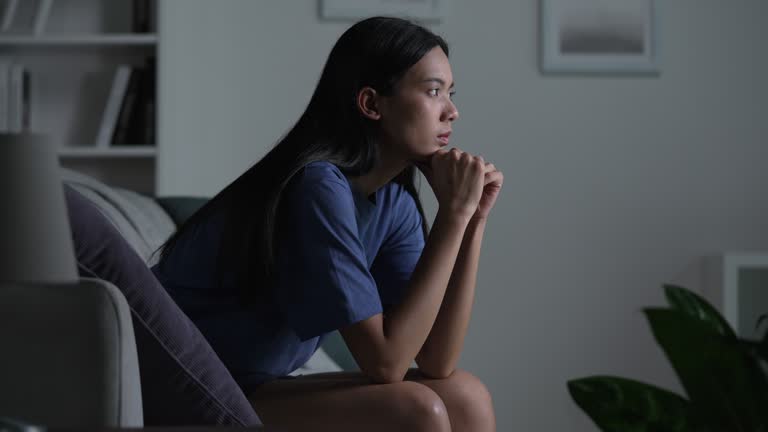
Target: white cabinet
x: 737, y: 284
x: 71, y: 65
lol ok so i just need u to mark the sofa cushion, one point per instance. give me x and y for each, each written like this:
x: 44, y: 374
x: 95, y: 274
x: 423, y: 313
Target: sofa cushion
x: 183, y: 381
x: 138, y: 218
x: 181, y: 208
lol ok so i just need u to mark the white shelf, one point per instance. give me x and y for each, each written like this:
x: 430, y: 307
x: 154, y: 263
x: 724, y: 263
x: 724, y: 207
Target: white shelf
x: 111, y: 152
x: 64, y: 40
x: 72, y: 66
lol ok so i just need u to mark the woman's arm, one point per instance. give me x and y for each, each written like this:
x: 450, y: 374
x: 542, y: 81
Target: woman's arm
x: 440, y: 353
x: 385, y: 345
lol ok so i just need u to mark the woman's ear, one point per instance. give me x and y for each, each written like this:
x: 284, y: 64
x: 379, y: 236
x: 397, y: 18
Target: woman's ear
x: 367, y: 103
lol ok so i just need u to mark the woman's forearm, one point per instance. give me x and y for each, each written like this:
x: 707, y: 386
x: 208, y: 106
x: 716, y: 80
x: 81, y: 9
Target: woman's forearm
x: 440, y: 353
x: 406, y: 328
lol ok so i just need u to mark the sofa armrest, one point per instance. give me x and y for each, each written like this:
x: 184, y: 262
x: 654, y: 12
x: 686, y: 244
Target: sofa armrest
x: 68, y: 355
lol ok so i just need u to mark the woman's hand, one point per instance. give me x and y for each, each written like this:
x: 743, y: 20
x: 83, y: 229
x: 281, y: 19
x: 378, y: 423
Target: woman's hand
x: 457, y: 179
x: 494, y: 179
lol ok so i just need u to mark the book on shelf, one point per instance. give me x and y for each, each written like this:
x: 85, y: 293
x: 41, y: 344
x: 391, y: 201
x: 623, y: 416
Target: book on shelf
x: 9, y: 11
x: 112, y: 108
x: 127, y: 110
x: 18, y: 95
x: 136, y: 121
x: 41, y: 18
x: 14, y: 97
x: 149, y: 112
x: 25, y: 16
x: 5, y: 74
x: 142, y: 16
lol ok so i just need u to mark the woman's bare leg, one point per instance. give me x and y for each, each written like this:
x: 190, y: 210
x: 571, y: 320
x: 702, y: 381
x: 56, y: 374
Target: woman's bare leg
x: 349, y: 401
x: 469, y: 403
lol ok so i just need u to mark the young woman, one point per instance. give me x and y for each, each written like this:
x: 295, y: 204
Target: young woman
x: 327, y: 232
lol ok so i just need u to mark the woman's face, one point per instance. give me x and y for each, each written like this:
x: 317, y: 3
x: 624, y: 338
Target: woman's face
x: 416, y: 119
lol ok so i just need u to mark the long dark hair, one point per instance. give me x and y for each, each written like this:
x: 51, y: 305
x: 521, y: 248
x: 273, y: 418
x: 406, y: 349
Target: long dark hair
x: 375, y: 52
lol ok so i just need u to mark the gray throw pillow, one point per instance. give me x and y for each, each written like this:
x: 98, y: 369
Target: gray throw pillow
x: 182, y: 379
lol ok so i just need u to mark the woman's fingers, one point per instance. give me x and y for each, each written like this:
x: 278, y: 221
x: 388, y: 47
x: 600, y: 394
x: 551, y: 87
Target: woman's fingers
x: 494, y: 177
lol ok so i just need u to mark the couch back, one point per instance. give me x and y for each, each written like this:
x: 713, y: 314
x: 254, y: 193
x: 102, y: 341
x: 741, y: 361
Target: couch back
x: 183, y: 381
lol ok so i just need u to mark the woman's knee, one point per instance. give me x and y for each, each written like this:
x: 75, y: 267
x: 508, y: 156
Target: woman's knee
x: 421, y: 408
x: 470, y: 393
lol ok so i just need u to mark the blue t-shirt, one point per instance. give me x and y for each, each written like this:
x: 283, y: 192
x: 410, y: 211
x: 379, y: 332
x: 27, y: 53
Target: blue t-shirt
x: 343, y: 258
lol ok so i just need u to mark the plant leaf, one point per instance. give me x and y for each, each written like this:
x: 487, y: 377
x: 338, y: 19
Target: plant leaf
x: 620, y: 404
x: 691, y: 304
x: 724, y: 382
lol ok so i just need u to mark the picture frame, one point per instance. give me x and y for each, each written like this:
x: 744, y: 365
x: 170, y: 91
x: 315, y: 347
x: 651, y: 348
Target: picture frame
x: 599, y: 37
x: 421, y: 10
x: 745, y: 291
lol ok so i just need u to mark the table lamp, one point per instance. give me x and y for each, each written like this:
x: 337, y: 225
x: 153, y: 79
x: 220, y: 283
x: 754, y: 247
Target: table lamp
x: 35, y: 239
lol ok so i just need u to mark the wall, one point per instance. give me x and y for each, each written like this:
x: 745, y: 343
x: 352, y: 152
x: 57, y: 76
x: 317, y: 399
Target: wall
x: 613, y: 185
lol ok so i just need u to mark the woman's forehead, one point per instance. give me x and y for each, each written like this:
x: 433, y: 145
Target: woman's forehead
x: 434, y: 66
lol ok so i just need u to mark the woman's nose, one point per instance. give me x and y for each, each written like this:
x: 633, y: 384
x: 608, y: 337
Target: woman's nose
x: 451, y: 112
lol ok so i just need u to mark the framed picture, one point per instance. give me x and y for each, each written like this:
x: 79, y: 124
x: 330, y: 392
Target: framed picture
x: 599, y: 36
x: 745, y: 292
x: 421, y: 10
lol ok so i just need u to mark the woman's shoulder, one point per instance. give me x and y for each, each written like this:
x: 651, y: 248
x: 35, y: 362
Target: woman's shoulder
x: 322, y: 171
x: 319, y: 177
x: 395, y: 194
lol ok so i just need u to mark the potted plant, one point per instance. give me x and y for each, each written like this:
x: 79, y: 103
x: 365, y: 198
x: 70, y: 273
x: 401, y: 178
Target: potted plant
x: 725, y: 377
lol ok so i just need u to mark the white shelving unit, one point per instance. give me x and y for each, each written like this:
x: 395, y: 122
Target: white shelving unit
x: 114, y: 152
x: 737, y: 284
x: 72, y: 65
x: 65, y: 40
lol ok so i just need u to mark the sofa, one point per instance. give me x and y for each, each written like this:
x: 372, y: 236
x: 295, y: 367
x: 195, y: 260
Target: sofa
x: 183, y: 382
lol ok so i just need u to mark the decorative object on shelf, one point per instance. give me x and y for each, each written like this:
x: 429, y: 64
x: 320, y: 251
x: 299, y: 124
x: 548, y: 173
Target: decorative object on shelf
x: 25, y: 16
x: 422, y: 10
x: 725, y: 377
x: 599, y: 37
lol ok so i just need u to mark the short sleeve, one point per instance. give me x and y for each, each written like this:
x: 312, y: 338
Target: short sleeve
x: 323, y: 282
x: 400, y: 251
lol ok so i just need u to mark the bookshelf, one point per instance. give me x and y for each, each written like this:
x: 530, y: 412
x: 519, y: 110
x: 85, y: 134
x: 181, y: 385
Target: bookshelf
x: 65, y: 40
x: 72, y: 63
x: 117, y: 152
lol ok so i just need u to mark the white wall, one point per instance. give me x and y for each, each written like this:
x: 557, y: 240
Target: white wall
x: 613, y: 185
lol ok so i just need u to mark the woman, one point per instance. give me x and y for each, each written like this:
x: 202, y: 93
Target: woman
x: 327, y: 232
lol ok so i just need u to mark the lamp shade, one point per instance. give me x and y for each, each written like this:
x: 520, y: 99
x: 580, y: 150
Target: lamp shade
x: 35, y: 238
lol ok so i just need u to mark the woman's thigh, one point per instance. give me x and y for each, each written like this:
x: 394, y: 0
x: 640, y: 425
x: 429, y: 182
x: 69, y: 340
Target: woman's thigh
x: 348, y: 401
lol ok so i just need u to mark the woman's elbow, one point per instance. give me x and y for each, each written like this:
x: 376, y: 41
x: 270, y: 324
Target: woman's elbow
x: 383, y: 374
x: 437, y: 373
x: 435, y: 370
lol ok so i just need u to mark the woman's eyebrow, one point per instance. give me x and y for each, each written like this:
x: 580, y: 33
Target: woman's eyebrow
x: 438, y: 80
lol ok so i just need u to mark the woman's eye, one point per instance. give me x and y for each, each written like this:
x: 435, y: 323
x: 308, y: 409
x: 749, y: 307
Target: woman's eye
x: 451, y: 94
x: 433, y: 92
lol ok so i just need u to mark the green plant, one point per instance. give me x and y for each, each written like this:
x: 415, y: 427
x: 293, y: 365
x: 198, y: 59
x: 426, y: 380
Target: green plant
x: 724, y: 377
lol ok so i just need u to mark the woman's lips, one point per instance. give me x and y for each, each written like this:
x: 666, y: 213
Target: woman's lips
x: 444, y: 138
